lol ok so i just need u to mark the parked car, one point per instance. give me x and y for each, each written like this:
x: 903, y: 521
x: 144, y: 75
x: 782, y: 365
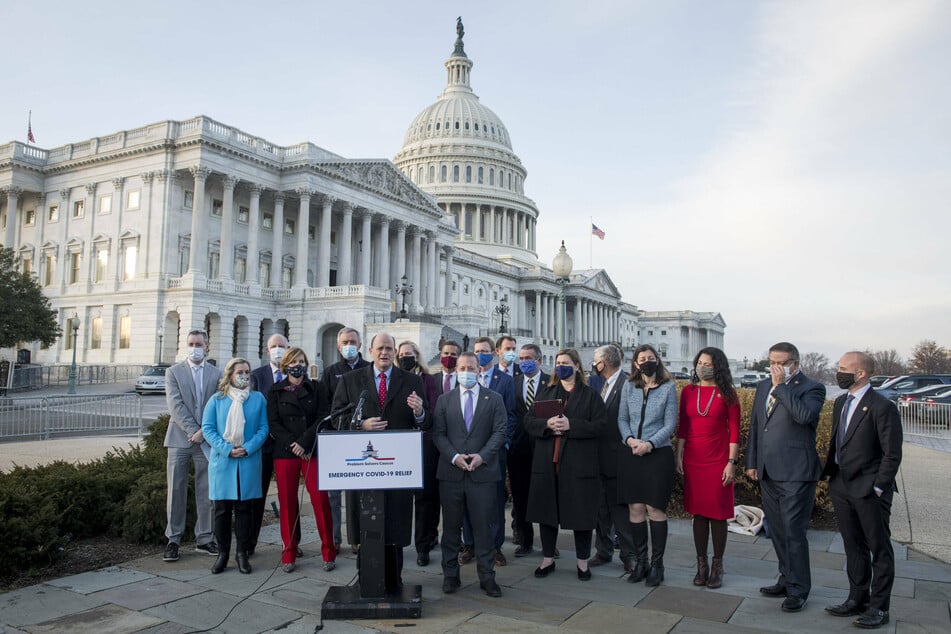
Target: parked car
x: 910, y: 382
x: 680, y: 376
x: 153, y: 381
x: 878, y: 379
x: 749, y: 380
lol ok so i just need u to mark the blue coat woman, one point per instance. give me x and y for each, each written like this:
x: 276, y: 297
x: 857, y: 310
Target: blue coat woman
x: 234, y: 465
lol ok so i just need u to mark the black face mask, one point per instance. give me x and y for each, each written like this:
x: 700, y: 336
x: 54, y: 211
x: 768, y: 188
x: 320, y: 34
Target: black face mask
x: 648, y: 368
x: 594, y: 369
x: 297, y: 371
x: 845, y: 380
x: 407, y: 363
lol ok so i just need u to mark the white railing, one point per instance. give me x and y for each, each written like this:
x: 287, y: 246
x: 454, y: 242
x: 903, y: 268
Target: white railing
x: 48, y: 415
x: 926, y: 419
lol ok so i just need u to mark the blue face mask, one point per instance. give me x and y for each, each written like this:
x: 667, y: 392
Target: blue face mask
x: 528, y: 367
x: 485, y: 358
x: 466, y: 379
x: 349, y: 352
x: 509, y: 357
x: 564, y: 371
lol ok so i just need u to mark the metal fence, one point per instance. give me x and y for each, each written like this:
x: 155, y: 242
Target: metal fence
x: 34, y: 377
x: 926, y: 419
x: 44, y: 416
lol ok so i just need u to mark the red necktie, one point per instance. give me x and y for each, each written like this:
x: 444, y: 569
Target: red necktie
x: 382, y: 391
x: 446, y: 384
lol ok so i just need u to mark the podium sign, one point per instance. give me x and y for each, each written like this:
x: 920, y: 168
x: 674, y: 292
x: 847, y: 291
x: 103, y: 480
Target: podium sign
x: 376, y: 460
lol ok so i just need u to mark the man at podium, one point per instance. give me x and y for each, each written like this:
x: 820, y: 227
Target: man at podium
x: 391, y: 399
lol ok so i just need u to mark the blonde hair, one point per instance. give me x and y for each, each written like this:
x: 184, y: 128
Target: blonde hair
x: 416, y: 352
x: 225, y: 383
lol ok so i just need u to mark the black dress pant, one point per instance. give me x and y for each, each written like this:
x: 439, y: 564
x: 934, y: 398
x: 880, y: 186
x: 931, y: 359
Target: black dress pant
x: 866, y: 535
x: 520, y: 478
x: 613, y: 519
x: 243, y: 523
x: 549, y: 535
x: 788, y: 507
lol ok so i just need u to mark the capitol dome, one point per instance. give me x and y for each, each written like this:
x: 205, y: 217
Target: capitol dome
x: 458, y: 150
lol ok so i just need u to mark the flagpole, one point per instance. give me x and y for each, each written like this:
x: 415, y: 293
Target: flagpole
x: 591, y: 243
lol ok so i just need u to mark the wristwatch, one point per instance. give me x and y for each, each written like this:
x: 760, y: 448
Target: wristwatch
x: 733, y: 461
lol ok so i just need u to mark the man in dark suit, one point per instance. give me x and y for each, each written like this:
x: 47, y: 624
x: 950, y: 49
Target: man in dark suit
x: 261, y: 380
x: 781, y: 454
x: 864, y: 456
x: 469, y: 429
x: 505, y: 349
x: 188, y: 386
x: 529, y: 382
x: 348, y: 346
x: 608, y: 379
x: 395, y: 400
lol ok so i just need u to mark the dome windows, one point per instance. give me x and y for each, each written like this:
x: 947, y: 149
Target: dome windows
x: 477, y: 127
x: 437, y: 125
x: 457, y: 125
x: 491, y: 176
x: 481, y: 169
x: 468, y: 173
x: 443, y: 174
x: 455, y: 173
x: 432, y: 173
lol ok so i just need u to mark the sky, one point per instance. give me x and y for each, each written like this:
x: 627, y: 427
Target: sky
x: 786, y: 164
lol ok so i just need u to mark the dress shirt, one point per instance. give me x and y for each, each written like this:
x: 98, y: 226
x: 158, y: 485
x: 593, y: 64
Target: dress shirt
x: 508, y: 369
x: 536, y: 380
x: 609, y: 384
x: 274, y: 371
x: 858, y: 394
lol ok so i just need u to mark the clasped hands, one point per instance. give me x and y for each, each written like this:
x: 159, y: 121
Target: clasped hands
x: 238, y: 452
x: 639, y: 447
x: 558, y: 425
x: 468, y: 461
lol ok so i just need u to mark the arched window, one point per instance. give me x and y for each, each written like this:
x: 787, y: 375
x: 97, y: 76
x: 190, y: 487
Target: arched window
x: 468, y: 173
x: 457, y: 125
x: 437, y: 125
x: 432, y: 174
x: 501, y: 178
x: 467, y: 125
x: 455, y: 173
x: 480, y: 175
x: 477, y: 127
x: 443, y: 174
x: 491, y: 176
x: 419, y: 174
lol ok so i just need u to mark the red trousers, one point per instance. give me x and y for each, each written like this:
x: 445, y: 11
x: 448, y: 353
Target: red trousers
x: 287, y: 472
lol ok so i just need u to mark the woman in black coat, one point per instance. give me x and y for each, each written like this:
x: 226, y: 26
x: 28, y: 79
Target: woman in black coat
x: 566, y: 493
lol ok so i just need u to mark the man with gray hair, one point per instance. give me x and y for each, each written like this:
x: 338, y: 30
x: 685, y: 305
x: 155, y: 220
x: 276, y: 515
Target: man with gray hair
x: 608, y: 379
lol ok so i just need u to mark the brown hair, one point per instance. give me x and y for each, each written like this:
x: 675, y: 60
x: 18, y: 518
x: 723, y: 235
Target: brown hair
x: 291, y: 356
x: 637, y: 378
x: 572, y: 354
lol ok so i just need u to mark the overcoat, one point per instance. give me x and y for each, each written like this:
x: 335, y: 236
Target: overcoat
x: 224, y: 472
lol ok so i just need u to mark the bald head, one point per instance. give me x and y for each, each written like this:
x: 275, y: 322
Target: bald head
x: 859, y: 364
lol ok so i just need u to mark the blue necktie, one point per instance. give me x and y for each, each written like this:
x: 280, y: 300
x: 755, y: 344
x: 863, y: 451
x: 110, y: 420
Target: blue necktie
x: 467, y: 413
x: 278, y: 377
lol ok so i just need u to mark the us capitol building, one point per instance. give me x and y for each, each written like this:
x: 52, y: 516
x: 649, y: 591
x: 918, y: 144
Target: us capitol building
x: 144, y: 234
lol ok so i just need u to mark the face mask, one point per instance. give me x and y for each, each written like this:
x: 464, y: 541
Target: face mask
x: 845, y: 380
x: 297, y: 371
x: 407, y: 363
x: 786, y: 373
x: 706, y: 373
x: 485, y: 358
x: 349, y: 352
x: 448, y: 362
x: 241, y: 381
x: 509, y: 357
x: 277, y: 354
x: 564, y: 371
x: 595, y: 370
x: 196, y: 354
x: 648, y: 368
x: 466, y: 379
x: 528, y: 367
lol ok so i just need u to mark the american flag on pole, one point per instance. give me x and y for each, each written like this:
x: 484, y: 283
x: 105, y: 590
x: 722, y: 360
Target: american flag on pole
x: 29, y: 129
x: 596, y: 232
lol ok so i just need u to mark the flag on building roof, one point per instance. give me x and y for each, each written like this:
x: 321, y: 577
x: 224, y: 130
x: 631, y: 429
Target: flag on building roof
x: 596, y: 232
x: 29, y: 129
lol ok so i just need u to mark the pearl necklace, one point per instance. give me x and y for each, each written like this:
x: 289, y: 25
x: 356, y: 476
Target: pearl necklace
x: 704, y: 412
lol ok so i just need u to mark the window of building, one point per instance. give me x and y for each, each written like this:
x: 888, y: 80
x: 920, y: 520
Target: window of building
x: 264, y: 274
x: 29, y: 217
x: 95, y: 333
x: 650, y: 333
x: 125, y: 331
x: 105, y: 204
x: 443, y: 174
x: 188, y: 199
x: 216, y: 207
x: 79, y: 208
x: 75, y: 261
x: 214, y: 261
x: 312, y: 232
x: 241, y: 270
x: 501, y: 178
x: 128, y: 266
x: 68, y: 344
x: 457, y: 125
x: 437, y: 125
x: 491, y: 176
x: 663, y: 333
x: 455, y: 173
x: 52, y: 215
x: 287, y: 277
x: 243, y: 215
x: 509, y: 175
x: 290, y: 225
x: 27, y: 264
x: 465, y: 289
x: 477, y: 127
x: 468, y: 173
x: 432, y: 174
x: 183, y: 257
x: 267, y: 221
x: 481, y: 170
x: 132, y: 199
x: 50, y: 272
x: 102, y: 264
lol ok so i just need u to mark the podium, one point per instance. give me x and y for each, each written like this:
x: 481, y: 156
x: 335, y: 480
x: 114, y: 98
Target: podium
x: 371, y: 463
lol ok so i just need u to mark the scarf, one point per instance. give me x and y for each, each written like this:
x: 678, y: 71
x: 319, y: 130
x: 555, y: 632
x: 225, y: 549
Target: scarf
x: 234, y: 424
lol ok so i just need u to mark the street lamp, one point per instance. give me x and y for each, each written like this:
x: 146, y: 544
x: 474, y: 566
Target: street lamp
x: 404, y: 289
x: 561, y: 267
x: 74, y: 324
x: 502, y: 309
x: 161, y: 334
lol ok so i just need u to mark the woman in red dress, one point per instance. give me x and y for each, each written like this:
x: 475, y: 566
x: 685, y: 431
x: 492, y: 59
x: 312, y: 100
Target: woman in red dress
x: 707, y: 447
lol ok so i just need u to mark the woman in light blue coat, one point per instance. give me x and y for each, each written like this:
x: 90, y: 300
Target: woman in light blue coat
x: 647, y: 417
x: 234, y: 423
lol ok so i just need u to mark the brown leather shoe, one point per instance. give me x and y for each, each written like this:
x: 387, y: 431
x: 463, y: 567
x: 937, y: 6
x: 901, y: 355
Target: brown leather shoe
x: 716, y: 573
x: 703, y: 572
x: 500, y: 559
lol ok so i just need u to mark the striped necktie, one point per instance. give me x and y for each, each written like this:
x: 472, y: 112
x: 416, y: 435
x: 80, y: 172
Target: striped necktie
x: 530, y: 392
x: 770, y: 404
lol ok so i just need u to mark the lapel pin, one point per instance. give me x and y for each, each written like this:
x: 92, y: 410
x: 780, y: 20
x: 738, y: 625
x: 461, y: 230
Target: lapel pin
x: 865, y: 409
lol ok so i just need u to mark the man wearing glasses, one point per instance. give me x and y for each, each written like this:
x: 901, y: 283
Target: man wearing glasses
x: 781, y: 455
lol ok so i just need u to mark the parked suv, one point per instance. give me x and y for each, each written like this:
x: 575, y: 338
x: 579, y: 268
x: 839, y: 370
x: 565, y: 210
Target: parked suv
x: 749, y: 380
x: 909, y: 382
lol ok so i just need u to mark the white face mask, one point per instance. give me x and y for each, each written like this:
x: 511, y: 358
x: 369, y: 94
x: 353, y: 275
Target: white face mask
x: 196, y: 354
x: 509, y: 357
x: 277, y: 354
x: 466, y: 379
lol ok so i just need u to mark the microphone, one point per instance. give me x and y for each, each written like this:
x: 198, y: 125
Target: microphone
x: 357, y: 418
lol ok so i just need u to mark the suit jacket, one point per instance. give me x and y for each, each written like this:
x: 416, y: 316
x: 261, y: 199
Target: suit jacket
x: 504, y: 384
x: 608, y: 446
x: 871, y: 451
x: 520, y: 438
x: 485, y: 436
x: 185, y: 412
x: 397, y: 504
x: 782, y: 446
x: 262, y: 379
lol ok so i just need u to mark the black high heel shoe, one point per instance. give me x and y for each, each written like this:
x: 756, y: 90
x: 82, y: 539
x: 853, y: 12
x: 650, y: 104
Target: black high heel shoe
x: 584, y: 575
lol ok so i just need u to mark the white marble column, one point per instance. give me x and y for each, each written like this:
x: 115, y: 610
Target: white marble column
x: 344, y: 257
x: 401, y: 268
x: 433, y: 268
x: 449, y: 293
x: 13, y: 219
x: 477, y: 224
x: 254, y: 222
x: 490, y: 234
x: 198, y: 255
x: 323, y: 255
x: 416, y: 263
x: 579, y: 341
x: 383, y: 253
x: 226, y: 258
x: 538, y: 316
x: 366, y: 237
x: 303, y: 227
x: 277, y: 244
